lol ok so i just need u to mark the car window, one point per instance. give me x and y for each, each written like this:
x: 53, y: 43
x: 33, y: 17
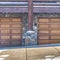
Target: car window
x: 28, y: 34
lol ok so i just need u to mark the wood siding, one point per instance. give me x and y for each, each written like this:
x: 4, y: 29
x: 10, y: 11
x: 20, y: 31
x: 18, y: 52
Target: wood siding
x: 10, y: 31
x: 48, y: 30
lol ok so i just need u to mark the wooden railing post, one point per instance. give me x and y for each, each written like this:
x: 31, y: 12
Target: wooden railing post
x: 30, y: 14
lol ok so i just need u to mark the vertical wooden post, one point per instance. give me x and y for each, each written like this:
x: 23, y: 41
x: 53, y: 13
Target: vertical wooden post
x: 30, y: 14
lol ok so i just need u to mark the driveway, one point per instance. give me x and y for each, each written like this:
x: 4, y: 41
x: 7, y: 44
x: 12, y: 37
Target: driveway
x: 41, y: 53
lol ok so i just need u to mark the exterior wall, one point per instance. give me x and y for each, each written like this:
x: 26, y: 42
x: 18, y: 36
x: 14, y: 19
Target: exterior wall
x: 10, y: 31
x: 17, y: 15
x: 25, y: 18
x: 47, y: 15
x: 44, y: 15
x: 23, y: 13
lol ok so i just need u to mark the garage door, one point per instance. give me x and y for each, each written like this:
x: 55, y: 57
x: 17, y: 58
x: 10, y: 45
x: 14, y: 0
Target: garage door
x: 10, y: 31
x: 48, y: 30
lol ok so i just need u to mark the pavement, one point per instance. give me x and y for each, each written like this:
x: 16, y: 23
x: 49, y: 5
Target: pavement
x: 39, y: 53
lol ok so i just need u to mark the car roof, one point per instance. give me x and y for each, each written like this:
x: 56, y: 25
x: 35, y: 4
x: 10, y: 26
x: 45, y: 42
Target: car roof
x: 30, y: 32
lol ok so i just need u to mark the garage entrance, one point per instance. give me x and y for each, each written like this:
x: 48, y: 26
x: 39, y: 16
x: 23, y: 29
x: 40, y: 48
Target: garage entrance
x: 48, y: 30
x: 10, y: 31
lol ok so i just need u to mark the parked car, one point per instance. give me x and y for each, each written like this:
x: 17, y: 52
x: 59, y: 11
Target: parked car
x: 30, y: 38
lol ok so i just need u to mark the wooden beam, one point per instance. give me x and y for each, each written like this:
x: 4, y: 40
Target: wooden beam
x: 30, y: 15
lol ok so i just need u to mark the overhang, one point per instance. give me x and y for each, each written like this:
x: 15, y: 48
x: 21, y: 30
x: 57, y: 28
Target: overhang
x: 36, y: 9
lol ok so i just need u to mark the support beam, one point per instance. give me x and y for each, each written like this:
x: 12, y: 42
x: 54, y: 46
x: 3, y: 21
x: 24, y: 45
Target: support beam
x: 30, y: 15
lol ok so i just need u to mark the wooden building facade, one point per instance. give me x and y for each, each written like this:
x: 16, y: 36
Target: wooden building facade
x: 19, y: 15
